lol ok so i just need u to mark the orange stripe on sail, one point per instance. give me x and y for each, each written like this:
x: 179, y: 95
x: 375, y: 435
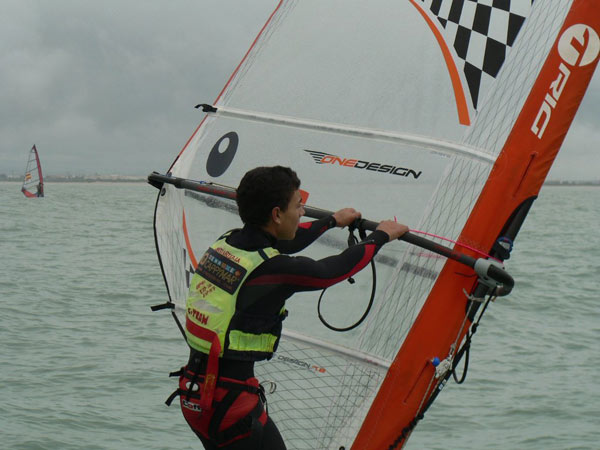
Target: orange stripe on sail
x: 459, y: 93
x: 188, y: 243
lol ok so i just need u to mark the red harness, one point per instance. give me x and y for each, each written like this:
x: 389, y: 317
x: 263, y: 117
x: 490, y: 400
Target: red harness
x: 237, y: 410
x: 223, y: 410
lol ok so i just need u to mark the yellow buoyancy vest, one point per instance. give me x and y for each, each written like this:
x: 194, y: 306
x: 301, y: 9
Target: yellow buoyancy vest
x: 211, y: 303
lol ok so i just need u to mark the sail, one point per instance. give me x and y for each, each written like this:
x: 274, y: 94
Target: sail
x: 445, y: 114
x: 33, y: 180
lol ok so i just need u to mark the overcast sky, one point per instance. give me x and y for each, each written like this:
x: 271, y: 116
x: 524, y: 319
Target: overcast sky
x: 109, y: 86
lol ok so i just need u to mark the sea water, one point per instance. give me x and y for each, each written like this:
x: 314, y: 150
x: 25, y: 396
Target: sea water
x: 84, y: 362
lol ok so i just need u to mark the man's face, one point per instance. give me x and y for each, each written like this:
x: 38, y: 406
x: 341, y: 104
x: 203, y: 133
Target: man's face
x: 290, y: 217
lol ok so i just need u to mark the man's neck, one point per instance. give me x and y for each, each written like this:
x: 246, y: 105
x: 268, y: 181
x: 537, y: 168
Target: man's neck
x: 271, y: 229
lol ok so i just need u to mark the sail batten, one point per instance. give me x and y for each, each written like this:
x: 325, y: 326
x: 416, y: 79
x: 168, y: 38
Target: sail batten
x: 366, y: 133
x: 346, y: 352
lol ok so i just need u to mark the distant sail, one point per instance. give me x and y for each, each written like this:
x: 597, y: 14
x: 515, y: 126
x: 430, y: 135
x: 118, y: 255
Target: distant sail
x: 33, y: 180
x: 446, y: 114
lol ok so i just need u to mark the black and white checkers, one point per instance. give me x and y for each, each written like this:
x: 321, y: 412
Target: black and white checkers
x: 480, y: 32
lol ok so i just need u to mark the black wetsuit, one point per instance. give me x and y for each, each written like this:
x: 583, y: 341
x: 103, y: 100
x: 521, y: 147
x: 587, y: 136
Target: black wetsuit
x: 271, y: 284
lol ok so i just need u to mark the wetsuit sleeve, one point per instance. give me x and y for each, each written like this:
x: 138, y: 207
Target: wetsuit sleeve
x: 306, y: 234
x: 294, y: 274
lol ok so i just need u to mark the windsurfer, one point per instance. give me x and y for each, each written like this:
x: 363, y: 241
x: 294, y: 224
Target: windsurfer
x: 238, y: 320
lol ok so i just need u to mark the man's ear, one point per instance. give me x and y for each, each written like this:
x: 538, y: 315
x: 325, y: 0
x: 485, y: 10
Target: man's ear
x: 275, y: 215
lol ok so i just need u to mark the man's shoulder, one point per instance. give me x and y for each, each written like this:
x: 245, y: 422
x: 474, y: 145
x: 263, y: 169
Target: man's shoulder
x: 248, y: 239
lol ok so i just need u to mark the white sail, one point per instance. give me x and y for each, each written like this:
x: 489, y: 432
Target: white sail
x: 33, y: 180
x: 397, y: 108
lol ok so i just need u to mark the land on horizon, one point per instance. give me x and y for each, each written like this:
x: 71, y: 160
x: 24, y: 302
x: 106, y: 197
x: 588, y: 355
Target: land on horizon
x: 143, y: 179
x: 80, y: 178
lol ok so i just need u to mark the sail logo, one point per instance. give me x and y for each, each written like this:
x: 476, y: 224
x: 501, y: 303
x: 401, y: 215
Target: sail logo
x: 222, y: 153
x: 578, y: 46
x: 301, y: 364
x: 327, y: 158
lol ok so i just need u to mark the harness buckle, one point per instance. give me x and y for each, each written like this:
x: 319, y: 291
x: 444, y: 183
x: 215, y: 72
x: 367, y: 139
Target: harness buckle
x: 268, y: 386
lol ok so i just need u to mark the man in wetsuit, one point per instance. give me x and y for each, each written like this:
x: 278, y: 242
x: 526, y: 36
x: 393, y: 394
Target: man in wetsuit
x: 236, y: 305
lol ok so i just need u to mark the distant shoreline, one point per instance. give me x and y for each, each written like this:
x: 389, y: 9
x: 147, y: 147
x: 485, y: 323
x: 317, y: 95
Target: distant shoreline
x: 571, y: 183
x: 82, y: 179
x: 140, y: 179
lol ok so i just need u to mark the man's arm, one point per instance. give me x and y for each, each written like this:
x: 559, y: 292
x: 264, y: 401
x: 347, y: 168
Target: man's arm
x: 278, y: 278
x: 294, y: 274
x: 308, y: 232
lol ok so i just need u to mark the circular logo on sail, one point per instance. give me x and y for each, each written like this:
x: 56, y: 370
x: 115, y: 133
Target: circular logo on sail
x: 222, y: 154
x: 579, y: 45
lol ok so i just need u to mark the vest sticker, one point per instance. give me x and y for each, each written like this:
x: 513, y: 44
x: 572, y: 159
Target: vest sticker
x: 221, y: 271
x: 204, y: 288
x: 200, y: 318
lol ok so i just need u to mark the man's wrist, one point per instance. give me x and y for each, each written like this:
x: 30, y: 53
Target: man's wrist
x: 332, y: 222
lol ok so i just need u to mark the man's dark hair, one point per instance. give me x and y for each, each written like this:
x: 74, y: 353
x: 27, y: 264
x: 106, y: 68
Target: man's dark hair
x: 262, y: 189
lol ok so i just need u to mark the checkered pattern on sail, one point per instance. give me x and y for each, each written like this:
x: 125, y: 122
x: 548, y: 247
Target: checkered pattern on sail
x: 480, y: 31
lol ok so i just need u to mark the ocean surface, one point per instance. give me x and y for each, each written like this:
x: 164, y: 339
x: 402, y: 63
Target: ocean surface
x: 84, y: 362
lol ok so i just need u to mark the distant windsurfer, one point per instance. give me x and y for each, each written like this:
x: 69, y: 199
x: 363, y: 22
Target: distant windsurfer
x: 236, y: 305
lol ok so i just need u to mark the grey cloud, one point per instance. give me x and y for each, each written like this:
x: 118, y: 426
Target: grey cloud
x: 110, y: 86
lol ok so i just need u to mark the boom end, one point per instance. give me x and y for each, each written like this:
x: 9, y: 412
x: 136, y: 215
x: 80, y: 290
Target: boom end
x: 491, y: 273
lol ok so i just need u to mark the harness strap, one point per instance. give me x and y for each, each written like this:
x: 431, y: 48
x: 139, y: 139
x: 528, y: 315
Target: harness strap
x: 212, y: 367
x: 177, y: 373
x: 226, y: 383
x: 249, y: 424
x: 175, y: 393
x: 220, y: 413
x: 190, y: 389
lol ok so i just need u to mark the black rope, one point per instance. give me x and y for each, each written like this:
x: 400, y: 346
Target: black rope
x: 466, y: 347
x: 352, y: 240
x: 365, y: 314
x: 463, y: 351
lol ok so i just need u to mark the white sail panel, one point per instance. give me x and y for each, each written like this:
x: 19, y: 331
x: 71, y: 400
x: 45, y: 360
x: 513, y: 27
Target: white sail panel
x: 341, y: 384
x: 309, y: 65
